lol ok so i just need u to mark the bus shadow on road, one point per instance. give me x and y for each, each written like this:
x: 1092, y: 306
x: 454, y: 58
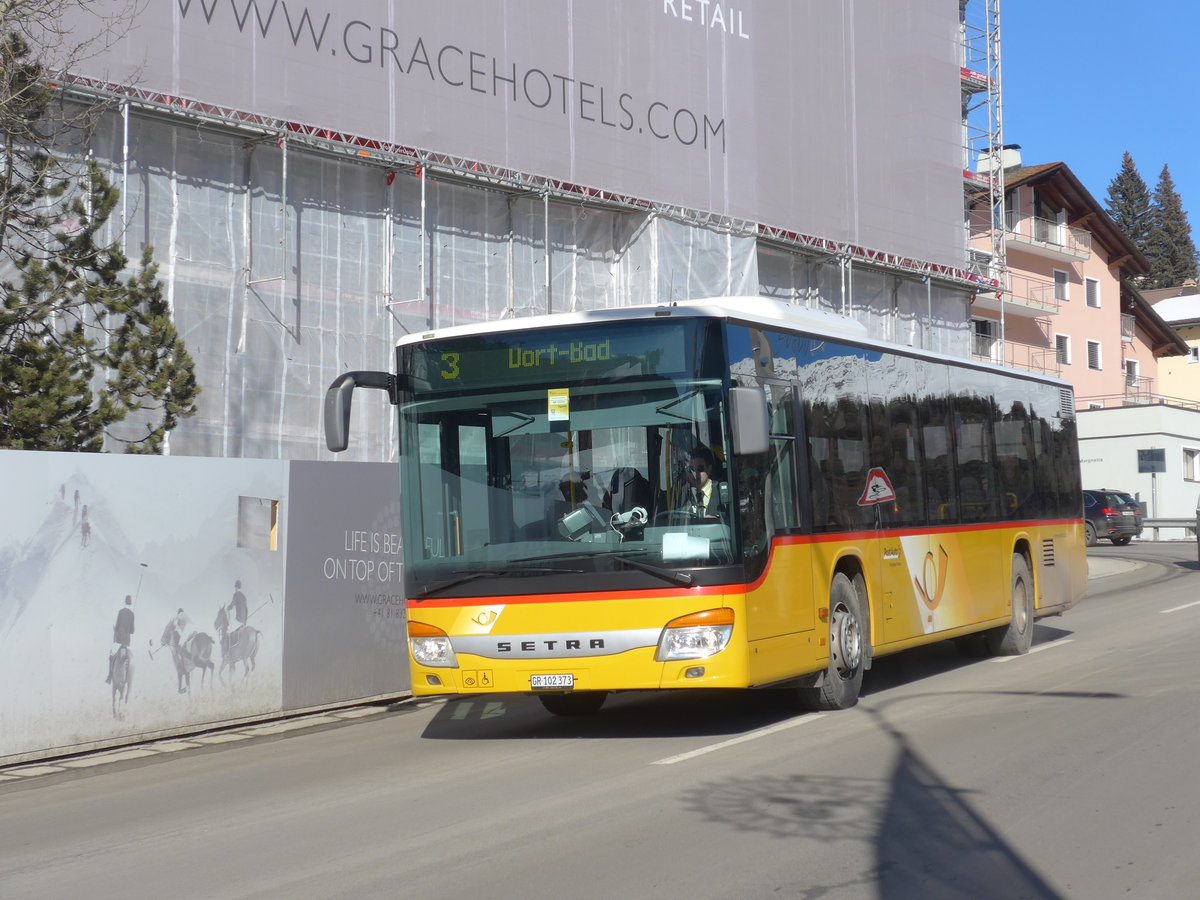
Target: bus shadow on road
x: 671, y: 714
x: 932, y: 660
x: 928, y: 840
x: 635, y: 714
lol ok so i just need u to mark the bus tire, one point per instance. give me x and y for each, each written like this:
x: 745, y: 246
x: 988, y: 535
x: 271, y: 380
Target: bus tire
x: 1015, y: 638
x: 584, y: 703
x: 842, y: 679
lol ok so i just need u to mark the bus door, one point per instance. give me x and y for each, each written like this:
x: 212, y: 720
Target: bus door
x: 768, y: 500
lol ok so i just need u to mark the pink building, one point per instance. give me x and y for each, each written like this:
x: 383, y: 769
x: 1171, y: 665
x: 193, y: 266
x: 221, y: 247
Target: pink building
x: 1068, y: 307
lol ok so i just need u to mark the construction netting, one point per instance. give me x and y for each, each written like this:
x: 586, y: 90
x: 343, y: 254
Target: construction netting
x: 287, y: 264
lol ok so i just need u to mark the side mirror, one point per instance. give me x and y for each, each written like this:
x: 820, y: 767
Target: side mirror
x: 748, y: 420
x: 339, y: 397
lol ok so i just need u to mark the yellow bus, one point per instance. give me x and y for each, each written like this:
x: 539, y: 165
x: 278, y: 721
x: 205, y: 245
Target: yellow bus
x: 731, y: 493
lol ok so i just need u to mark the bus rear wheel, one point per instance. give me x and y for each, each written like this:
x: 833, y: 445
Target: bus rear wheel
x: 842, y: 679
x: 1015, y: 638
x: 584, y: 703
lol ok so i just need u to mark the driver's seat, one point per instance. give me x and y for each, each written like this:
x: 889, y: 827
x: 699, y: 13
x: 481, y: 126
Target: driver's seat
x: 629, y: 488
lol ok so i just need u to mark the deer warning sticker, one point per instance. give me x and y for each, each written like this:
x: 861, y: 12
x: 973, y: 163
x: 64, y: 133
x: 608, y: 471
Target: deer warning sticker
x: 879, y: 488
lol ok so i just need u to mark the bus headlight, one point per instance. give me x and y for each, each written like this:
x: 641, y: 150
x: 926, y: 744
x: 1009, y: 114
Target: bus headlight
x: 431, y: 646
x: 696, y: 636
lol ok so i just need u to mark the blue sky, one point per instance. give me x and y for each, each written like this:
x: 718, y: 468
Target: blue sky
x: 1084, y: 82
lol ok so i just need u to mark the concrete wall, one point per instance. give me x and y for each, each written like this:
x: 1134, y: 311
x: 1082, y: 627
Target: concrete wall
x: 312, y: 547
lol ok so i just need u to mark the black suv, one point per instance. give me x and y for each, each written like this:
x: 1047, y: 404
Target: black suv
x: 1111, y: 514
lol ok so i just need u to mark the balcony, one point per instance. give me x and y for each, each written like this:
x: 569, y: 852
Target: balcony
x: 1140, y: 394
x: 1051, y: 240
x: 1015, y: 355
x: 1023, y: 296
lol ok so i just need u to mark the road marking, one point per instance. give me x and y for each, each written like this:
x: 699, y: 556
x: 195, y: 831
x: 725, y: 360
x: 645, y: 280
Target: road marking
x: 222, y: 737
x: 101, y: 759
x: 289, y: 725
x: 1178, y: 608
x: 359, y: 712
x: 740, y: 739
x: 492, y: 710
x: 172, y: 746
x: 1032, y: 650
x: 34, y: 771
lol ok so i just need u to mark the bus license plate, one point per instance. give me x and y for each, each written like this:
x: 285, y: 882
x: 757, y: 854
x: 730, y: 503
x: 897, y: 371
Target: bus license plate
x: 552, y: 682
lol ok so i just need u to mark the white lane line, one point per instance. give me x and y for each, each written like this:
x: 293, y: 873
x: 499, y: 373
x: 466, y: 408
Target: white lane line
x: 1032, y: 650
x: 740, y: 739
x: 1178, y: 608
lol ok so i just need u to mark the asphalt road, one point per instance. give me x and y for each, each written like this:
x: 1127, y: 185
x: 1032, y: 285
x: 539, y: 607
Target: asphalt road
x: 1069, y: 772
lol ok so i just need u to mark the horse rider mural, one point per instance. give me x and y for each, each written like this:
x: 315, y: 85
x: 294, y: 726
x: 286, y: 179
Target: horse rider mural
x: 122, y: 635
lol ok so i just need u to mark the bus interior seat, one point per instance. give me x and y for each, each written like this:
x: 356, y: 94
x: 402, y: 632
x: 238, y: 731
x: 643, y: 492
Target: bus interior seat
x: 629, y: 488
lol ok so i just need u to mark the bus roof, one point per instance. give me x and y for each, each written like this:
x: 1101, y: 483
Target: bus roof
x: 749, y: 310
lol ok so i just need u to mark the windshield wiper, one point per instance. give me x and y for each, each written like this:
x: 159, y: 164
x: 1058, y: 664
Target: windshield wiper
x: 665, y: 574
x: 492, y: 573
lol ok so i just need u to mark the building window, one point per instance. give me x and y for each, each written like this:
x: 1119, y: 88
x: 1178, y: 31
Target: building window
x: 1094, y: 355
x: 983, y: 338
x: 1131, y: 372
x: 1091, y: 288
x: 1060, y: 285
x: 1062, y: 349
x: 1191, y: 464
x: 1194, y: 354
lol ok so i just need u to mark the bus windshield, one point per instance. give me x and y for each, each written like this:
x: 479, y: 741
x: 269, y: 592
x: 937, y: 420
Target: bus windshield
x: 622, y: 478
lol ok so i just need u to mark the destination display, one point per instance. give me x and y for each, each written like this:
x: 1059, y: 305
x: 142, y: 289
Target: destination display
x: 561, y: 356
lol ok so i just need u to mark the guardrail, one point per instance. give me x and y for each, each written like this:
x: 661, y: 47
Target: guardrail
x: 1189, y: 522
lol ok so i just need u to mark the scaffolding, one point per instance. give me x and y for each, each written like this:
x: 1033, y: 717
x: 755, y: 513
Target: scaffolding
x: 983, y: 133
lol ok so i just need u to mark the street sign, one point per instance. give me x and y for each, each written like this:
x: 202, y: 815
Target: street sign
x: 1152, y: 461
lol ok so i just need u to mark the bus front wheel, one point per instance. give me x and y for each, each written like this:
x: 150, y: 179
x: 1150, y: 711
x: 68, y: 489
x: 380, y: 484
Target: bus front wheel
x: 585, y: 703
x: 1015, y: 638
x: 842, y: 679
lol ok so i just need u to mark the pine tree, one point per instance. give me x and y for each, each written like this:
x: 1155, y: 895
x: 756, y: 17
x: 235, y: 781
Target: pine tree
x: 86, y: 340
x: 1129, y: 202
x: 1170, y: 249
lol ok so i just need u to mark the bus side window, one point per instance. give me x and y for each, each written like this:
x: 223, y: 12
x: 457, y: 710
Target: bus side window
x: 973, y: 460
x: 782, y: 483
x: 895, y: 450
x: 1014, y: 456
x: 935, y: 436
x: 781, y: 466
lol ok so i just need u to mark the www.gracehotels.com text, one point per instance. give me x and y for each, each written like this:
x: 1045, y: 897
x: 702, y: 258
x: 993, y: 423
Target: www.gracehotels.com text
x: 460, y: 68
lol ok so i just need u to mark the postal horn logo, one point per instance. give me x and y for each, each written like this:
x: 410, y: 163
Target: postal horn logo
x: 932, y: 583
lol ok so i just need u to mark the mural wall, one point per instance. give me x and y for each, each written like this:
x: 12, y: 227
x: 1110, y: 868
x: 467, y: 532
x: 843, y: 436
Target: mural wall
x: 142, y: 595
